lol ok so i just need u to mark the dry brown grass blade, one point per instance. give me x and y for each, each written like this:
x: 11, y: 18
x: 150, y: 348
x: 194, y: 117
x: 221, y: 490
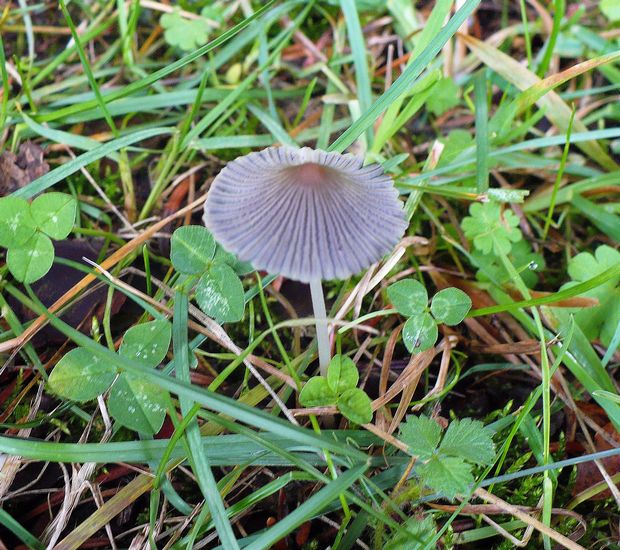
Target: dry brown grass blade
x: 128, y: 494
x: 529, y: 520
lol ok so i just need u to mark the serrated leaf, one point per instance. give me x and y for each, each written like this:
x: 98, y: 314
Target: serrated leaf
x: 450, y: 306
x: 147, y: 343
x: 447, y: 475
x: 54, y: 214
x: 186, y: 34
x: 600, y: 321
x: 138, y: 404
x: 490, y: 229
x: 408, y: 296
x: 342, y: 374
x: 317, y: 393
x: 527, y: 262
x: 192, y: 249
x: 16, y: 222
x: 418, y: 535
x: 470, y: 440
x: 219, y: 294
x: 421, y: 434
x: 81, y: 376
x: 355, y: 405
x: 420, y: 333
x: 31, y: 260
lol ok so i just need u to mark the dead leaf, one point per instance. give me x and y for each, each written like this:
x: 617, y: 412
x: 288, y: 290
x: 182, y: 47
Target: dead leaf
x: 17, y: 171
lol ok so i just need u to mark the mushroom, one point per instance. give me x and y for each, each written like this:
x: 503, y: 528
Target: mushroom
x: 306, y: 214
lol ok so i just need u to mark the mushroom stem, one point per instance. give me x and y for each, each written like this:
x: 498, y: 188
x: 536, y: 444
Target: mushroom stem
x: 320, y: 316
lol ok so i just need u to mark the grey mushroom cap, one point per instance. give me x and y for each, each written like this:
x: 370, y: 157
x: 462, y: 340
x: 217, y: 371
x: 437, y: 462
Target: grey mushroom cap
x: 304, y: 213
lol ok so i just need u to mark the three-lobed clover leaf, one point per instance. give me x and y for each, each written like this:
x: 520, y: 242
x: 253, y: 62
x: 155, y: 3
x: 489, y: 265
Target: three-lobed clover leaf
x: 342, y: 374
x: 490, y: 229
x: 16, y: 222
x: 32, y: 259
x: 420, y: 333
x: 54, y: 214
x: 219, y: 292
x: 445, y: 464
x: 135, y: 403
x: 26, y: 228
x: 192, y: 248
x: 408, y: 296
x: 317, y: 393
x: 450, y: 306
x: 338, y: 388
x: 81, y: 376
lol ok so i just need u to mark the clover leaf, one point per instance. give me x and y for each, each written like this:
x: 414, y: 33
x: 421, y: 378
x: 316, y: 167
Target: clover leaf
x: 338, y: 388
x: 490, y: 229
x: 598, y: 321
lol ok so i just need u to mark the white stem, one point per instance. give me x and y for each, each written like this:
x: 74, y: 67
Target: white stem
x: 320, y: 315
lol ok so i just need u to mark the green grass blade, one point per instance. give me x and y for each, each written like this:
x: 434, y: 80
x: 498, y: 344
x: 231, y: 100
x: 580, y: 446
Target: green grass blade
x: 58, y: 174
x: 311, y: 507
x: 199, y: 460
x: 360, y: 58
x: 405, y: 80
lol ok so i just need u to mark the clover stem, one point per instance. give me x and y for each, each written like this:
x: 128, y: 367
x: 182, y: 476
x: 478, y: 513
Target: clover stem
x: 320, y: 316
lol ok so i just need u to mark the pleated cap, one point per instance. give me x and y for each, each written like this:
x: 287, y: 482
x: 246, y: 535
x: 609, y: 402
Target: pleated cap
x: 304, y: 213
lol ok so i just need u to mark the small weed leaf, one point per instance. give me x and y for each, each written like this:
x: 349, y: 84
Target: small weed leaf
x: 219, y: 294
x: 408, y: 296
x: 81, y: 376
x: 186, y: 34
x: 355, y: 405
x: 447, y: 475
x: 600, y: 321
x: 450, y: 306
x: 420, y: 333
x: 31, y: 260
x: 470, y: 440
x: 138, y: 404
x: 342, y: 374
x: 490, y: 229
x: 444, y: 96
x: 16, y: 222
x: 527, y: 263
x: 54, y: 214
x: 192, y: 248
x: 147, y: 343
x: 454, y: 144
x: 419, y: 534
x: 317, y: 393
x: 422, y: 435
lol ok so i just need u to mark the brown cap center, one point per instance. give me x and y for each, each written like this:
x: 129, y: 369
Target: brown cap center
x: 309, y: 174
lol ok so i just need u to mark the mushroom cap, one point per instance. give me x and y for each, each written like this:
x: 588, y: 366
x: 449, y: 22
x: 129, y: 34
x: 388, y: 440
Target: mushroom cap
x: 304, y: 213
